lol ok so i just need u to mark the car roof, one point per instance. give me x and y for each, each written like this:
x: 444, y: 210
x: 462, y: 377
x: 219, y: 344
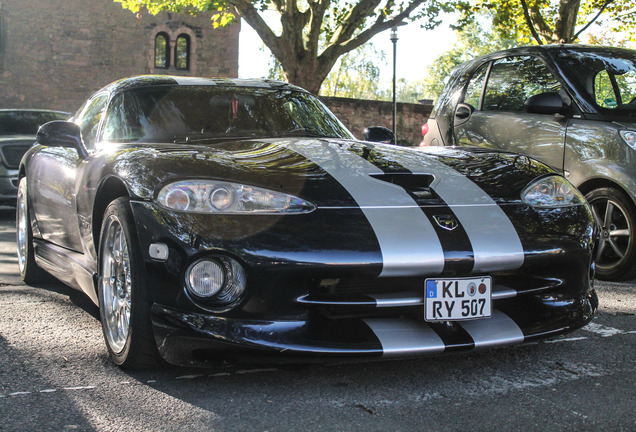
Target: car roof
x: 536, y: 49
x: 145, y: 81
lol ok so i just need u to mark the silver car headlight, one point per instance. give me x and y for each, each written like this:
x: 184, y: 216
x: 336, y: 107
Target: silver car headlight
x: 551, y: 192
x: 209, y: 196
x: 629, y: 136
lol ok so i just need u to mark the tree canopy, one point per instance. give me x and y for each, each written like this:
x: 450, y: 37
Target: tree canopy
x: 551, y: 21
x: 310, y: 35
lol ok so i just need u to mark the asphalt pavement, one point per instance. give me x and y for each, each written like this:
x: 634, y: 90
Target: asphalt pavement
x: 56, y: 376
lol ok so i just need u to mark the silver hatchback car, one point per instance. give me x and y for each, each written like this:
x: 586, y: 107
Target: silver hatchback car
x: 572, y: 107
x: 17, y: 133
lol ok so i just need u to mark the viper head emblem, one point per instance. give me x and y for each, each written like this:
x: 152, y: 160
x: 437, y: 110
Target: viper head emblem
x: 447, y: 222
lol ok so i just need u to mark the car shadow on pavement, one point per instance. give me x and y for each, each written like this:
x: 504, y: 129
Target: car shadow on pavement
x: 22, y: 390
x: 9, y: 274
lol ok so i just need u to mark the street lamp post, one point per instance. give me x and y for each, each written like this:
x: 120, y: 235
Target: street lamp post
x: 394, y: 39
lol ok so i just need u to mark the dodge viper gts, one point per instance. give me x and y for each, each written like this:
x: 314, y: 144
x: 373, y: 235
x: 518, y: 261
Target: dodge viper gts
x: 234, y: 218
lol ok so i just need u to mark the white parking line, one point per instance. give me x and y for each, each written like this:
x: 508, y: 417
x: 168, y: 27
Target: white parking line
x: 601, y: 330
x: 151, y: 381
x: 572, y: 339
x: 604, y: 331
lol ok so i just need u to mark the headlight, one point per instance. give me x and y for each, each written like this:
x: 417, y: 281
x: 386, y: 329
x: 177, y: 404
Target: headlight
x: 207, y: 196
x: 551, y: 192
x: 216, y: 281
x: 630, y: 137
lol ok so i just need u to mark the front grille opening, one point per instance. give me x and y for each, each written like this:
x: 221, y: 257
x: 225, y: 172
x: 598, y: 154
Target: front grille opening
x: 12, y: 155
x: 367, y: 285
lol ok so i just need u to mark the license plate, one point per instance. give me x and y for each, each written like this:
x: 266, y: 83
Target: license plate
x: 458, y: 299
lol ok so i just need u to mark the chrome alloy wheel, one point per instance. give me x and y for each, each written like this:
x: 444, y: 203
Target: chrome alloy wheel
x: 116, y: 284
x: 615, y: 231
x: 22, y: 234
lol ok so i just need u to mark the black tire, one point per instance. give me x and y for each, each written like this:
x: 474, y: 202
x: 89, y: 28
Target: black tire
x: 124, y: 299
x: 30, y: 272
x: 616, y: 248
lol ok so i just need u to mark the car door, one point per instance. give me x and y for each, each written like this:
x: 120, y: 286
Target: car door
x: 492, y: 112
x: 53, y: 175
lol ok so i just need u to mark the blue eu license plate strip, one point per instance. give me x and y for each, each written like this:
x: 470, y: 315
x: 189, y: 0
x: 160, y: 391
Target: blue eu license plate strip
x: 458, y: 299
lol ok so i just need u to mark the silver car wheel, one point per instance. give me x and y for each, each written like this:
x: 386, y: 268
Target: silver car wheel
x: 22, y: 234
x: 615, y: 231
x: 116, y: 286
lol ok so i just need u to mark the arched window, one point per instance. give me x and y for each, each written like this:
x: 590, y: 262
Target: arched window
x: 182, y: 52
x: 162, y: 51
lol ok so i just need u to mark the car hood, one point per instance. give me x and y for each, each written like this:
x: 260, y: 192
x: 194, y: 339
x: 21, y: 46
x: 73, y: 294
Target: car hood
x: 335, y: 173
x: 626, y: 124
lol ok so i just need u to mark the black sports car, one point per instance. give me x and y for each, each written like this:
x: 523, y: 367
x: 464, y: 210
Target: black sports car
x: 226, y: 218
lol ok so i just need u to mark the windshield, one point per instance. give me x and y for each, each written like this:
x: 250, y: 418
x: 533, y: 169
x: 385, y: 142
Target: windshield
x: 608, y: 77
x: 183, y: 114
x: 24, y: 122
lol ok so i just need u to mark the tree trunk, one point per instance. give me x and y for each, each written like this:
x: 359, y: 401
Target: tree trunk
x: 308, y: 73
x: 566, y: 21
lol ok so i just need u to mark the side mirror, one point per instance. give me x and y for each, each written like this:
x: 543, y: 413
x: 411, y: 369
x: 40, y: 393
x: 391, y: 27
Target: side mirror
x: 379, y: 134
x: 545, y: 103
x: 61, y: 133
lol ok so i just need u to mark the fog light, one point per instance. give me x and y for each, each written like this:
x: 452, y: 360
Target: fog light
x: 217, y: 281
x: 205, y: 278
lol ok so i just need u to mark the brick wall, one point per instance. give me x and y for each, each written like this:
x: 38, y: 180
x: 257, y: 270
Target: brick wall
x: 358, y: 114
x: 56, y: 53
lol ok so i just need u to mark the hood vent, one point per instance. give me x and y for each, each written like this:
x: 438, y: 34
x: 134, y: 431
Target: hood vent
x: 418, y: 185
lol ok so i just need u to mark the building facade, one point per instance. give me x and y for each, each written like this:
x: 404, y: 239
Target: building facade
x: 56, y: 53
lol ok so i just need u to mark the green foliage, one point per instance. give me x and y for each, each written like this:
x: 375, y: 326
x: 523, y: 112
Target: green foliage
x: 472, y: 42
x: 550, y: 21
x: 356, y: 74
x: 224, y: 12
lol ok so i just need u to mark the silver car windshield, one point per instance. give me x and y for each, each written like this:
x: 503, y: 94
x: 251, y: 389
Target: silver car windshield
x: 608, y: 77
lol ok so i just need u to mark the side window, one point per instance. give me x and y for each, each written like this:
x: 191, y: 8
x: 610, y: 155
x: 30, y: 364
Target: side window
x: 475, y: 86
x: 604, y: 91
x: 606, y: 85
x: 90, y: 117
x: 512, y: 80
x: 627, y: 86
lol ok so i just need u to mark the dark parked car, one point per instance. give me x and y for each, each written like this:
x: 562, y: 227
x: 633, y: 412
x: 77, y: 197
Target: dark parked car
x: 227, y: 218
x: 570, y: 106
x: 17, y: 134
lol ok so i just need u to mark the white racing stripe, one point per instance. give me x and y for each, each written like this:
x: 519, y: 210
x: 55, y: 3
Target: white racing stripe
x: 499, y: 329
x: 401, y: 336
x: 408, y: 242
x: 495, y: 241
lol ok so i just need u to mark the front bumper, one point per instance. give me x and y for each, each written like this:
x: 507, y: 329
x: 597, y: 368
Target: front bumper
x: 188, y: 338
x: 290, y: 313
